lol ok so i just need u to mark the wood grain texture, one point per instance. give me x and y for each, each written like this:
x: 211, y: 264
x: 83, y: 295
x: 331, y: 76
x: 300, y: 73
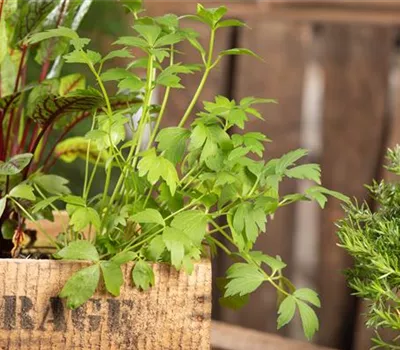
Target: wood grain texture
x: 174, y: 314
x: 228, y: 337
x: 280, y: 77
x: 356, y: 65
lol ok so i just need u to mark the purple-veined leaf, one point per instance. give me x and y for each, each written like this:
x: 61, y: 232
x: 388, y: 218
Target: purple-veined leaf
x: 51, y: 107
x: 31, y: 16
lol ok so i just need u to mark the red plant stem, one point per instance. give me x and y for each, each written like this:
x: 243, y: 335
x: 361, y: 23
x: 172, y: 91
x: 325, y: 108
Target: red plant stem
x: 24, y: 135
x: 62, y: 135
x: 1, y: 7
x: 46, y: 64
x: 21, y: 64
x: 33, y: 138
x: 12, y: 114
x: 2, y: 155
x: 8, y: 134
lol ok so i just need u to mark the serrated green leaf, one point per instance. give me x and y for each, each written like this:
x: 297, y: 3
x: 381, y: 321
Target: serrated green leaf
x: 308, y: 295
x: 81, y: 286
x: 248, y: 101
x: 309, y: 319
x: 231, y: 23
x: 143, y: 275
x: 249, y: 220
x: 175, y: 241
x: 123, y: 258
x: 131, y: 83
x: 288, y: 160
x: 122, y: 53
x: 157, y: 166
x: 149, y: 216
x: 94, y: 218
x: 79, y: 219
x: 169, y: 39
x: 149, y: 32
x: 193, y: 223
x: 306, y: 171
x: 74, y: 200
x: 79, y: 250
x: 274, y: 263
x: 156, y: 248
x: 239, y: 51
x: 173, y: 142
x: 52, y: 184
x: 132, y: 41
x: 286, y: 311
x: 331, y: 193
x: 113, y: 278
x: 53, y: 33
x: 234, y: 302
x: 44, y: 203
x: 243, y: 279
x: 24, y: 191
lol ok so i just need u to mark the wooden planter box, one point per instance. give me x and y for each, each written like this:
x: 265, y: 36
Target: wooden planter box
x: 174, y: 314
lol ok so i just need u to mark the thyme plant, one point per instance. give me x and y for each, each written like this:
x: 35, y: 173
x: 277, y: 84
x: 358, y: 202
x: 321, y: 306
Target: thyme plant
x: 175, y: 187
x: 373, y: 240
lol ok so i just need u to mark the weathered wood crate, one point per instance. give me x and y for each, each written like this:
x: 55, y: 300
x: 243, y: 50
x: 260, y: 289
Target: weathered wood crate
x: 174, y: 314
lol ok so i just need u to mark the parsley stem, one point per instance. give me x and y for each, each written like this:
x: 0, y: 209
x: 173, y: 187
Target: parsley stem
x: 163, y: 105
x: 202, y: 82
x: 87, y: 164
x: 220, y: 230
x: 134, y: 150
x: 220, y: 245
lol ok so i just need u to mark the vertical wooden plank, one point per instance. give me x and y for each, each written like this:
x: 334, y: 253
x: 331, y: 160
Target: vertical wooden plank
x: 356, y: 63
x: 280, y: 77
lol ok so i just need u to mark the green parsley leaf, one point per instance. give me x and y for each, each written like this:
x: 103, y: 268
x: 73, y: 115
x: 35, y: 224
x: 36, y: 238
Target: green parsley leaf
x: 81, y: 286
x: 113, y: 278
x: 309, y: 319
x: 143, y: 275
x: 149, y: 216
x: 193, y: 223
x: 78, y: 250
x: 24, y: 191
x: 243, y: 279
x: 286, y: 311
x: 308, y: 295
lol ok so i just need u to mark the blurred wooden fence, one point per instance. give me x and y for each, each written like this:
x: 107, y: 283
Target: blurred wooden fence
x: 333, y: 66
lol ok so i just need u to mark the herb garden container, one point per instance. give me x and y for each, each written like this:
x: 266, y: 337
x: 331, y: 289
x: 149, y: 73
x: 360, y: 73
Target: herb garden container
x: 174, y: 314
